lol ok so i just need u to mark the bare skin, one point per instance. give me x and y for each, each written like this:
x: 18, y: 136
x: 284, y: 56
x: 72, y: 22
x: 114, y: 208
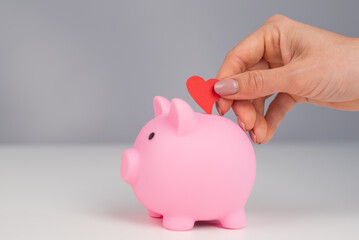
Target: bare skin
x: 301, y: 63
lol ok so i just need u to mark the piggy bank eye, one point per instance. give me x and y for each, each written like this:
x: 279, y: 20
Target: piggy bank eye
x: 151, y: 135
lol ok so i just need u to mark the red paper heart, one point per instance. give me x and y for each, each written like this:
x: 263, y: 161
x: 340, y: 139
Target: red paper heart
x: 203, y: 92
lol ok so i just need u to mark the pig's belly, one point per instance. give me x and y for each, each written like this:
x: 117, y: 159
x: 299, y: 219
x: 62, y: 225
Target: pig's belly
x: 207, y: 193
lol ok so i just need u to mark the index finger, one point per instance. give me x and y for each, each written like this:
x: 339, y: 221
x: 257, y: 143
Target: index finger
x: 246, y: 54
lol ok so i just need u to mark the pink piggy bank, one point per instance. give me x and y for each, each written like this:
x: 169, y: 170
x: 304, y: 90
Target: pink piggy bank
x: 188, y: 166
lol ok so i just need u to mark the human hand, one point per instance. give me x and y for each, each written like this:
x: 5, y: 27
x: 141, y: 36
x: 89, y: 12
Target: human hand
x: 301, y: 63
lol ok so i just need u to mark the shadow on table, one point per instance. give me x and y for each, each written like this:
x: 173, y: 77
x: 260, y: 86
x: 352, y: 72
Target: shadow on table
x: 140, y: 217
x: 260, y: 218
x: 136, y: 216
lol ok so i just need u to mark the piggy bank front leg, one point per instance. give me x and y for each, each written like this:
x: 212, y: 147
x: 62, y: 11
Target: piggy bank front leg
x: 178, y: 223
x: 235, y: 220
x: 154, y: 214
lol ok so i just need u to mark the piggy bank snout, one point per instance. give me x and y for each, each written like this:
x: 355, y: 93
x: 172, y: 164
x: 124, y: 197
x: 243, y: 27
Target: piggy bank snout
x: 129, y: 166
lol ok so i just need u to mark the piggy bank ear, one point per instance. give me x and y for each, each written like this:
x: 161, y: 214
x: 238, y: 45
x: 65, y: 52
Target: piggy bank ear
x: 161, y: 105
x: 182, y: 116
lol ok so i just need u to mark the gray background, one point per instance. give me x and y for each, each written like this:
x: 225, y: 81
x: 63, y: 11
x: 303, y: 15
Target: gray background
x: 86, y: 71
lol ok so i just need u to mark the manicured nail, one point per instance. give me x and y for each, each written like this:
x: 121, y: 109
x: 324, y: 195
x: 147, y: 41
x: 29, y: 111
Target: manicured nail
x: 218, y: 109
x: 226, y: 87
x: 241, y: 124
x: 253, y: 136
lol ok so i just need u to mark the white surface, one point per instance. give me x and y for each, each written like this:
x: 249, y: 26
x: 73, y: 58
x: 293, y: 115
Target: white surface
x: 302, y: 191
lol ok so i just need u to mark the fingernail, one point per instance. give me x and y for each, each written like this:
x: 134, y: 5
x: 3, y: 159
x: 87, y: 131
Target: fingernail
x: 218, y: 109
x: 241, y: 124
x: 253, y: 136
x: 226, y: 87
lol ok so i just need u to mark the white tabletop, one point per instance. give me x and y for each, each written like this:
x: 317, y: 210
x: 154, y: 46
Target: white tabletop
x: 302, y: 191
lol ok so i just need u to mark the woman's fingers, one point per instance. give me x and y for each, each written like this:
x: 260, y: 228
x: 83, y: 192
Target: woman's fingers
x: 255, y: 84
x: 259, y: 131
x: 262, y: 64
x: 277, y: 109
x: 246, y: 54
x: 250, y: 118
x: 246, y: 114
x: 250, y: 115
x: 238, y: 60
x: 223, y: 106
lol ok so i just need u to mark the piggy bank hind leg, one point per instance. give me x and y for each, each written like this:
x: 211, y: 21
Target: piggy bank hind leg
x: 154, y: 214
x: 178, y: 223
x: 235, y: 220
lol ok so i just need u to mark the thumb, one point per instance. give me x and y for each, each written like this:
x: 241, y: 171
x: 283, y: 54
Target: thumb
x: 253, y: 84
